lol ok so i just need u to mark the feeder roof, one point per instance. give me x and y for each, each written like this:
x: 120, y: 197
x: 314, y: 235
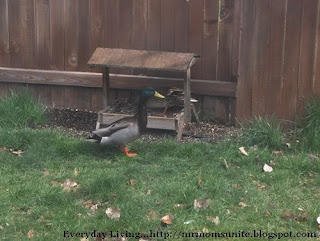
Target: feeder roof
x: 141, y: 59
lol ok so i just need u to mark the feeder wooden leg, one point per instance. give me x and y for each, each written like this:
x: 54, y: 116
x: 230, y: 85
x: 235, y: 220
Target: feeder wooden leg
x: 187, y: 97
x: 105, y: 87
x: 180, y: 127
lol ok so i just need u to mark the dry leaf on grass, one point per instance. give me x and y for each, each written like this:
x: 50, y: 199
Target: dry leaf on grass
x: 54, y: 183
x: 16, y: 152
x: 132, y: 182
x: 45, y: 172
x: 243, y: 204
x: 313, y: 159
x: 69, y: 185
x: 167, y: 219
x: 3, y: 148
x: 152, y: 215
x: 214, y: 219
x: 149, y: 192
x: 201, y: 204
x: 289, y: 215
x: 188, y: 222
x: 87, y: 203
x: 267, y: 168
x: 113, y: 213
x: 277, y: 153
x: 76, y: 172
x: 181, y: 206
x: 243, y: 151
x: 30, y: 234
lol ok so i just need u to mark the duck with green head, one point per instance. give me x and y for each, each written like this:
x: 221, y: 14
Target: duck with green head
x: 127, y: 129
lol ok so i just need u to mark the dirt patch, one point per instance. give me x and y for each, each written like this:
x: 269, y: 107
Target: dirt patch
x: 82, y: 123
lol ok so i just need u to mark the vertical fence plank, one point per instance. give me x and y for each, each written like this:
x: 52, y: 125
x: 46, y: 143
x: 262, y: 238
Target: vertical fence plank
x: 71, y: 35
x: 225, y: 51
x: 22, y: 33
x: 57, y: 47
x: 125, y: 28
x: 140, y: 16
x: 195, y: 34
x: 307, y: 51
x: 260, y: 64
x: 287, y: 106
x: 4, y: 34
x: 181, y: 26
x: 154, y: 25
x: 42, y: 21
x: 316, y: 83
x: 210, y: 33
x: 244, y: 91
x: 84, y: 26
x: 275, y: 56
x: 167, y: 25
x: 97, y: 24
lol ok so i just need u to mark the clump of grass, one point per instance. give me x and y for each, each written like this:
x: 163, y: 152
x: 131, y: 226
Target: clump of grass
x: 263, y: 132
x: 19, y: 110
x: 309, y: 127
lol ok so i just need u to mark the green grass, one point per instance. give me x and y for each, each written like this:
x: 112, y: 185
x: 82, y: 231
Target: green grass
x: 308, y: 129
x: 175, y: 174
x: 263, y: 132
x: 20, y: 110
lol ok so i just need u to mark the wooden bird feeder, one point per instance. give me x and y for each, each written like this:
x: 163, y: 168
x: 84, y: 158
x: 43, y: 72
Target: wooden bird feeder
x: 144, y: 60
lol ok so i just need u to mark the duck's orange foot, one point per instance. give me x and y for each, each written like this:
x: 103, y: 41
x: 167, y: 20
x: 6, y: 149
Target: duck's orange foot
x: 126, y: 151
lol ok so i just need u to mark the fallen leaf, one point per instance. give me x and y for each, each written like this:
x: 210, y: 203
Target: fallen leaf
x: 199, y: 183
x: 114, y: 195
x: 16, y: 152
x: 226, y: 164
x: 87, y: 203
x: 54, y: 183
x: 69, y: 185
x: 149, y: 192
x: 289, y: 215
x: 243, y: 204
x: 113, y: 213
x: 152, y: 215
x: 228, y: 212
x: 188, y: 222
x: 94, y: 207
x: 30, y: 234
x: 214, y: 219
x: 159, y: 202
x: 277, y: 153
x: 201, y: 204
x: 132, y: 182
x: 176, y: 206
x: 267, y: 168
x: 2, y: 148
x: 167, y: 219
x: 243, y: 151
x: 76, y: 172
x: 313, y: 159
x: 205, y: 230
x: 45, y: 172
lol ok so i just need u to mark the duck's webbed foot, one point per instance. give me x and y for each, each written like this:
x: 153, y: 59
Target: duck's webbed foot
x: 126, y: 151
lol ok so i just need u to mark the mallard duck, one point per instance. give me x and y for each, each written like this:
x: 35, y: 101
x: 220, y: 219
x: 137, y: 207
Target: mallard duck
x: 128, y: 129
x: 173, y: 98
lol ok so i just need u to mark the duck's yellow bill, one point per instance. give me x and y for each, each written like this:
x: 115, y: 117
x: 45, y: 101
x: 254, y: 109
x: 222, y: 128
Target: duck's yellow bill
x: 157, y: 94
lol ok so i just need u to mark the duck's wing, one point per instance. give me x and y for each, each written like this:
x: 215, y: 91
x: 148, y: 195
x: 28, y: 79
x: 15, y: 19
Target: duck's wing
x: 110, y: 130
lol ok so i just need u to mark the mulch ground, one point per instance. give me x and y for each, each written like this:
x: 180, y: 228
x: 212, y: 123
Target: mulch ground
x: 82, y: 123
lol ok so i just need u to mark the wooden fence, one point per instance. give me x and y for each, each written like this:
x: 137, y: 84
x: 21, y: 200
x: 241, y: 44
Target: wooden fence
x: 263, y: 52
x: 61, y: 35
x: 279, y: 57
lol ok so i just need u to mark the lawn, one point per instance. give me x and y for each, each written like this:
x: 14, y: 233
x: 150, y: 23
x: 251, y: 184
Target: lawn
x: 60, y: 185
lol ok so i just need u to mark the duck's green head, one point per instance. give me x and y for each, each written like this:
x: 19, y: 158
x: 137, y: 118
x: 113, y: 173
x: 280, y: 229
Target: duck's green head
x: 149, y: 92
